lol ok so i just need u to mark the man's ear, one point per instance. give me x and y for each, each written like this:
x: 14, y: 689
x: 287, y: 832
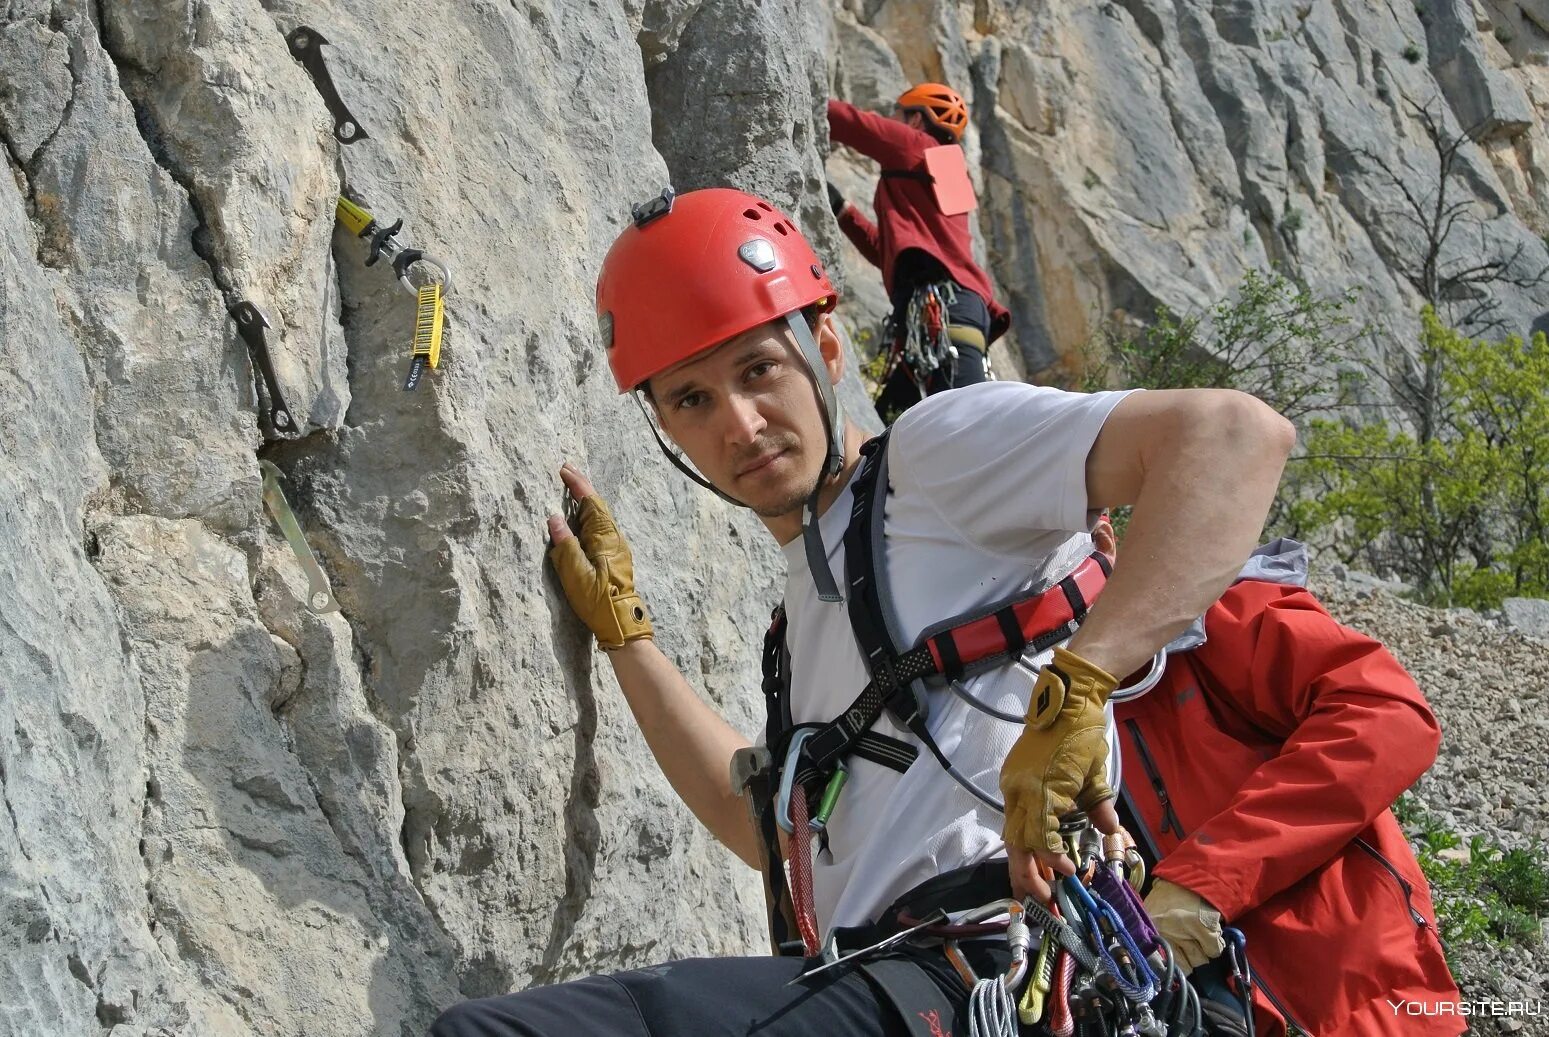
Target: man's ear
x: 831, y: 346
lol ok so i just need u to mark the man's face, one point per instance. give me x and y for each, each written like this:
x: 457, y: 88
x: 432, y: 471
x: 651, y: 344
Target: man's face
x: 746, y: 415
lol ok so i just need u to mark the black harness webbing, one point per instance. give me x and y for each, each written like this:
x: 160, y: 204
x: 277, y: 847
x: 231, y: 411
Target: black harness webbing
x: 908, y: 174
x: 954, y: 648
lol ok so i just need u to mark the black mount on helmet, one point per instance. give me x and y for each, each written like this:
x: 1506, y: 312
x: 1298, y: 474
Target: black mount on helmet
x: 661, y: 205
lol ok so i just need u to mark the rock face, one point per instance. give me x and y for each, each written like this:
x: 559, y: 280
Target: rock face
x: 1137, y: 152
x: 226, y: 815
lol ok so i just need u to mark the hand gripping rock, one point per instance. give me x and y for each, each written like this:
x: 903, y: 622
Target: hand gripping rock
x: 597, y: 573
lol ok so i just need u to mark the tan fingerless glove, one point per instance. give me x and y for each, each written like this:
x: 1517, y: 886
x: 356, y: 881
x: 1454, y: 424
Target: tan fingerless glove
x: 597, y: 573
x: 1060, y: 763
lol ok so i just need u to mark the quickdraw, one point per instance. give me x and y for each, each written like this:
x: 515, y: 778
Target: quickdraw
x: 1101, y: 968
x: 429, y: 313
x: 918, y: 337
x: 1090, y: 963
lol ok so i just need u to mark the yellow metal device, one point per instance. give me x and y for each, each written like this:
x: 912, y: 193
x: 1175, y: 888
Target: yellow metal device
x: 429, y: 322
x: 356, y: 220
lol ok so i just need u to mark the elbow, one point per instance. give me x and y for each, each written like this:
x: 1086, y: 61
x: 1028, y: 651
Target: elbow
x: 1255, y: 429
x: 1426, y: 738
x: 1414, y: 737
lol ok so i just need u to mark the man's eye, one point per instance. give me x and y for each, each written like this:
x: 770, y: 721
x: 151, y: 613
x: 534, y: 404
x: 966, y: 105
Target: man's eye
x: 760, y: 369
x: 690, y: 400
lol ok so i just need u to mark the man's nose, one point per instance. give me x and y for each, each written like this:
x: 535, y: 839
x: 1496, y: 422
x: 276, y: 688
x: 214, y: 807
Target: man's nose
x: 744, y: 422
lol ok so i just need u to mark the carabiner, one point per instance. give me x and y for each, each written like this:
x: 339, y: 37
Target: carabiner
x: 1146, y: 683
x: 829, y: 799
x: 408, y: 257
x: 788, y: 778
x: 1237, y: 955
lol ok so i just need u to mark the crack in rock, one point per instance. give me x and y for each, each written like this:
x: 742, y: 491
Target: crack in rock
x: 146, y: 125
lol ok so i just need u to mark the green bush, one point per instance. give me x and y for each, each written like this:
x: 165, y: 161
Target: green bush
x: 1265, y: 340
x: 1450, y: 493
x: 1483, y: 896
x: 1463, y: 514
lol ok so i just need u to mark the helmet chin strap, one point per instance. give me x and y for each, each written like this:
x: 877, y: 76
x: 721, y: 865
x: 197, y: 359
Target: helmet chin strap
x: 672, y: 455
x: 833, y: 460
x: 833, y: 463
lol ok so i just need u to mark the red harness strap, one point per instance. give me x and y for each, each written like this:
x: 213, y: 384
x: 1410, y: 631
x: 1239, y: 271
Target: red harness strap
x: 1032, y: 624
x: 1038, y: 621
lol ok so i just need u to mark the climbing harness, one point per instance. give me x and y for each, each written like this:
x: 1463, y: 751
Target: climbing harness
x: 320, y: 597
x: 1003, y: 632
x: 251, y: 323
x: 304, y: 44
x: 1090, y: 963
x: 429, y: 312
x: 812, y: 758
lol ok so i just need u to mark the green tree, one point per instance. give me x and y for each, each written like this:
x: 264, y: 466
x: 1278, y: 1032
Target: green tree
x: 1463, y: 513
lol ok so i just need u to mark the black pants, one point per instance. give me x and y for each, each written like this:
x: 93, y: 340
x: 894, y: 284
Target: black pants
x: 967, y: 313
x: 720, y: 997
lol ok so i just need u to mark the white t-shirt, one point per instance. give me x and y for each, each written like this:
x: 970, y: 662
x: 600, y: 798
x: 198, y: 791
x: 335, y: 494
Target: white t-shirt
x: 988, y: 499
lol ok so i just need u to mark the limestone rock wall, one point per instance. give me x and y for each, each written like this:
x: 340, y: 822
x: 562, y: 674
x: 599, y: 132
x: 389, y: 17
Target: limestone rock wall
x: 226, y: 815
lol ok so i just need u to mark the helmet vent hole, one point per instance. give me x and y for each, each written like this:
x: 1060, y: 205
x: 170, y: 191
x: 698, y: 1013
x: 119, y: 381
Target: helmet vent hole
x: 766, y: 206
x: 752, y: 214
x: 781, y: 228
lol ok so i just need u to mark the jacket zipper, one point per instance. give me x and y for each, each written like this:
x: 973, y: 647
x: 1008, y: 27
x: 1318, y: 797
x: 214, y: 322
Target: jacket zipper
x: 1169, y: 819
x: 1403, y: 883
x: 1293, y: 1027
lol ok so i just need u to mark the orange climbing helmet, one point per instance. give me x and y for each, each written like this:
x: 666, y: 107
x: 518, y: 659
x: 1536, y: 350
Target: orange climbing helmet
x: 942, y: 105
x: 694, y: 270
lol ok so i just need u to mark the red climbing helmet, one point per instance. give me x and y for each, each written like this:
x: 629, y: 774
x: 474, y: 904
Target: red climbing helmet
x: 695, y: 270
x: 942, y: 105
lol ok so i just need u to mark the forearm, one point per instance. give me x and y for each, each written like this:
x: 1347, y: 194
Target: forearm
x: 692, y: 744
x: 862, y: 234
x: 1206, y: 485
x: 879, y: 138
x: 1295, y: 813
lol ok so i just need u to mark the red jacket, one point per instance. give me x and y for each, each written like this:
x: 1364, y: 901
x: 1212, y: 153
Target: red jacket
x: 907, y: 213
x: 1262, y: 767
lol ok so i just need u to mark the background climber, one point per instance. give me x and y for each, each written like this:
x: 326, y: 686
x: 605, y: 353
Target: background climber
x: 1260, y: 769
x: 944, y: 311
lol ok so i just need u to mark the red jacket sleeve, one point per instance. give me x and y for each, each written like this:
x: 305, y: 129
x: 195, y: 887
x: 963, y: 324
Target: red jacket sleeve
x: 1357, y: 731
x: 888, y: 141
x: 862, y: 233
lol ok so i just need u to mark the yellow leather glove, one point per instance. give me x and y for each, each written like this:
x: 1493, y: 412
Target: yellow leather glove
x: 597, y: 573
x: 1187, y: 922
x: 1060, y: 763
